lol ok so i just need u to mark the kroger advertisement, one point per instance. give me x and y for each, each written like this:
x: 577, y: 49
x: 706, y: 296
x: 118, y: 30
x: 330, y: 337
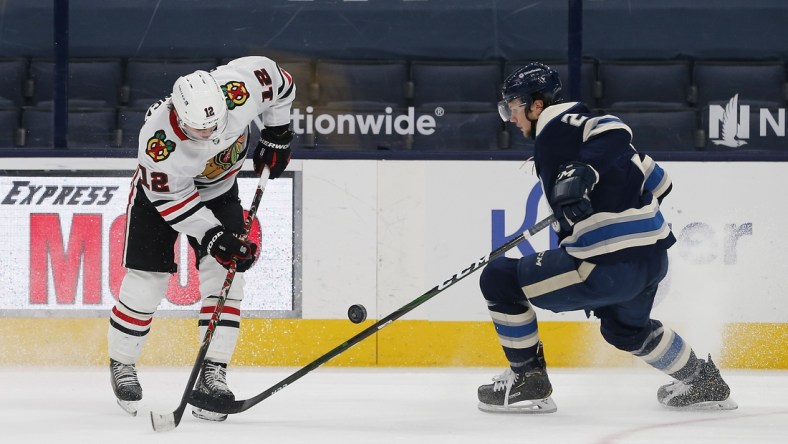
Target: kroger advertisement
x: 382, y: 233
x: 62, y: 240
x: 392, y: 230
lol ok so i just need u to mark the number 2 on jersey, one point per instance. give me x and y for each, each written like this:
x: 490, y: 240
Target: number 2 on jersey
x: 574, y: 119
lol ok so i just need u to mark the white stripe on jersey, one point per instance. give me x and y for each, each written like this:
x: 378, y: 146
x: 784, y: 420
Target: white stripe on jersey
x: 598, y: 125
x: 609, y: 232
x: 655, y: 179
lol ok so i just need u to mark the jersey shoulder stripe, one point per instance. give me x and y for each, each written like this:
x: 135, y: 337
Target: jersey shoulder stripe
x: 598, y: 125
x: 286, y: 81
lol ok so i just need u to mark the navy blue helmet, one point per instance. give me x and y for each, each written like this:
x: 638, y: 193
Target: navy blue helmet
x: 532, y: 81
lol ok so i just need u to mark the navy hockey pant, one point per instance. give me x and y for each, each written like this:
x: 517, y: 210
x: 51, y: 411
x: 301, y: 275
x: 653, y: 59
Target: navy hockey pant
x: 621, y: 295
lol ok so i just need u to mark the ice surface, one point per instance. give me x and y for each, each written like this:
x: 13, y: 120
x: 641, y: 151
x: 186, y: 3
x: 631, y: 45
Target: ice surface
x: 351, y: 405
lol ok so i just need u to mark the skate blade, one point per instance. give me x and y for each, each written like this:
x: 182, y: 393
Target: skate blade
x: 727, y: 404
x: 129, y: 406
x: 530, y: 407
x: 208, y: 415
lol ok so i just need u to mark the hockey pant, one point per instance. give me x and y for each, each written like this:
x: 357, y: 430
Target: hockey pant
x: 621, y: 295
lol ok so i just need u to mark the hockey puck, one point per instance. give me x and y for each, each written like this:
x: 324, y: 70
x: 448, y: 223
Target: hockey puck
x: 357, y: 313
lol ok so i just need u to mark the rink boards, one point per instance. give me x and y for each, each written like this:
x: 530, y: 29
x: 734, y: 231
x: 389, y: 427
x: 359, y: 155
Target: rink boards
x: 382, y: 233
x: 405, y: 343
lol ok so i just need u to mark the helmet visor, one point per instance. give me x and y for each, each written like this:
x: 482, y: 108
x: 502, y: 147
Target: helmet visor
x: 198, y: 134
x: 505, y: 109
x: 211, y: 133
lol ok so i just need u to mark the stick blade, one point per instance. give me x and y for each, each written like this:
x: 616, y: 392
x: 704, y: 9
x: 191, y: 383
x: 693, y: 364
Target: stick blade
x: 163, y: 423
x: 207, y: 402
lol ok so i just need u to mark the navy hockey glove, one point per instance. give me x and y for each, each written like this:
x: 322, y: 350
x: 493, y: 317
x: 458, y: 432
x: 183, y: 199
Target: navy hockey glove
x: 570, y: 200
x: 226, y: 248
x: 273, y: 150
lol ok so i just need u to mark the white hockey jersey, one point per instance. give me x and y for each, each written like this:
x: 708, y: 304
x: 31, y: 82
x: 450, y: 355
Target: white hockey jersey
x: 178, y: 174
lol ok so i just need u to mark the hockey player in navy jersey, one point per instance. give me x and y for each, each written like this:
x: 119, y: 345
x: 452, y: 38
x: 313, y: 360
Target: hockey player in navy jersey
x: 191, y: 147
x: 612, y: 253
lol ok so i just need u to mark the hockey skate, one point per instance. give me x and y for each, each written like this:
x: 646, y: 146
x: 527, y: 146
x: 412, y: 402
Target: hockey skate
x: 510, y: 392
x: 125, y: 385
x: 527, y: 391
x: 703, y: 391
x: 213, y: 383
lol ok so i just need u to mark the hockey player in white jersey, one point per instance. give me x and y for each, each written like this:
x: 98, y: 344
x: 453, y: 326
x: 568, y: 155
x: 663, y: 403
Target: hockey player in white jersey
x: 191, y: 148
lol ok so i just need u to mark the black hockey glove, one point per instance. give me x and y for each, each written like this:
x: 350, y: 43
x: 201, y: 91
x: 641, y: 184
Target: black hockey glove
x: 226, y: 248
x: 273, y: 150
x: 570, y: 200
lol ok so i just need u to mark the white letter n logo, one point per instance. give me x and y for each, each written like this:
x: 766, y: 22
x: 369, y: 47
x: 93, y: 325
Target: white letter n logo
x: 734, y: 120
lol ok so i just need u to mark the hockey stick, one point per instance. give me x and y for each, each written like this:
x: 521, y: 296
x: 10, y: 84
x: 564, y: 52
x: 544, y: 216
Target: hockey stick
x: 167, y: 422
x: 215, y: 405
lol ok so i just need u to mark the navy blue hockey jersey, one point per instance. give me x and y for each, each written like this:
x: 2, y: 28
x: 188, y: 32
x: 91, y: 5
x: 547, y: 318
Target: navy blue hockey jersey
x: 627, y: 223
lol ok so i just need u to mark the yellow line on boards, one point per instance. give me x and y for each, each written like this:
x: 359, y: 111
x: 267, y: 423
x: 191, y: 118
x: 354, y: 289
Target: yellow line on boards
x: 404, y: 343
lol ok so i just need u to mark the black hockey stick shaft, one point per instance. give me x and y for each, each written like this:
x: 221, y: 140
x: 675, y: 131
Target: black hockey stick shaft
x: 216, y: 405
x: 166, y: 422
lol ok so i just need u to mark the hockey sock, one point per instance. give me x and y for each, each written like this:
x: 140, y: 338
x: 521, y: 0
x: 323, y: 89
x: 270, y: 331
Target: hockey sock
x: 668, y: 352
x: 517, y: 331
x: 128, y: 330
x: 226, y: 334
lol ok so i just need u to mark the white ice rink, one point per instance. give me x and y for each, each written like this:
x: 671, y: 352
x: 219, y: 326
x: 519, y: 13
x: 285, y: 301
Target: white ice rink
x: 355, y: 406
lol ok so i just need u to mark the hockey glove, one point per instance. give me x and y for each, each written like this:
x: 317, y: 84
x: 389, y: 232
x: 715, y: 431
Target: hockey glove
x: 570, y: 200
x: 273, y: 150
x: 226, y: 248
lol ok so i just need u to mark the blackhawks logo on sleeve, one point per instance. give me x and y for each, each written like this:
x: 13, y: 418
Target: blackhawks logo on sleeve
x: 158, y: 147
x: 236, y: 93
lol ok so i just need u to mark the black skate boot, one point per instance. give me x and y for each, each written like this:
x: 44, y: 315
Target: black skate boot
x: 213, y: 383
x: 527, y: 391
x: 703, y: 391
x: 125, y: 385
